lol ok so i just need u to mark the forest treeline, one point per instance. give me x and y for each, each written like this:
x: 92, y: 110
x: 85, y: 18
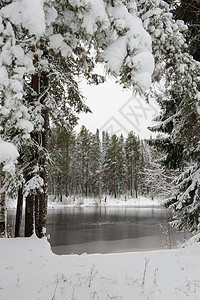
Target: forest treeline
x: 88, y: 164
x: 41, y: 63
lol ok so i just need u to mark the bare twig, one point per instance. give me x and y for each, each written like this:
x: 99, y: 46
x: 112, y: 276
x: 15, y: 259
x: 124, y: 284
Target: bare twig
x: 91, y: 276
x: 194, y: 25
x: 145, y: 270
x: 54, y: 293
x: 155, y: 276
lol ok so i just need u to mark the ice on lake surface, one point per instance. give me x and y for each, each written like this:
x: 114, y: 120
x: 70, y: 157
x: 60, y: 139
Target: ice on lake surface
x: 109, y: 230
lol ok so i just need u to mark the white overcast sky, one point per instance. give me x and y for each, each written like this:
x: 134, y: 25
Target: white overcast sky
x: 116, y: 110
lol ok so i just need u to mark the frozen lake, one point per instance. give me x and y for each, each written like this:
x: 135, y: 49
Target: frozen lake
x: 108, y: 229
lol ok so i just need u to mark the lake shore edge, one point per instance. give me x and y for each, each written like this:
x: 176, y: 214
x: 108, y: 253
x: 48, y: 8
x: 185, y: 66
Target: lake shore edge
x: 37, y: 273
x: 140, y: 202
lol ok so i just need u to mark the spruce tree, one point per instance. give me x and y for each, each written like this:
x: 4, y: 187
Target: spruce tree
x: 40, y: 61
x: 95, y: 166
x: 114, y: 165
x: 177, y: 92
x: 132, y: 148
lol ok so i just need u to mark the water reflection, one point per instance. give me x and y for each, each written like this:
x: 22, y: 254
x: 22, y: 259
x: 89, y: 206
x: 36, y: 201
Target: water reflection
x: 104, y: 230
x: 108, y: 229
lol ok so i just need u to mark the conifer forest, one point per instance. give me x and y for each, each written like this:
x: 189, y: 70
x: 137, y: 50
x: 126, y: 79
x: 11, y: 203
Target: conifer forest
x: 149, y: 47
x: 90, y: 165
x: 100, y: 212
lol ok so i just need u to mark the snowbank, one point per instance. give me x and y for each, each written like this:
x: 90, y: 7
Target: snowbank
x: 29, y: 270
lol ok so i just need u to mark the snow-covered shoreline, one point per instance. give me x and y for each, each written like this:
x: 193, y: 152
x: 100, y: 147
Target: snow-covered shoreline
x: 110, y: 202
x: 88, y: 202
x: 29, y: 270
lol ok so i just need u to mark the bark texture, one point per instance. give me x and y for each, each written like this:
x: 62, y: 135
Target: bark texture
x: 18, y: 221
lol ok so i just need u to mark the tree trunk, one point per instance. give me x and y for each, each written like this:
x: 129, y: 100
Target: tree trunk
x: 87, y: 175
x: 2, y: 215
x: 67, y: 171
x: 29, y: 215
x: 61, y: 171
x: 30, y: 199
x: 37, y: 215
x: 43, y: 197
x: 131, y: 181
x: 136, y: 183
x: 2, y: 208
x: 18, y: 221
x: 115, y: 189
x: 42, y: 215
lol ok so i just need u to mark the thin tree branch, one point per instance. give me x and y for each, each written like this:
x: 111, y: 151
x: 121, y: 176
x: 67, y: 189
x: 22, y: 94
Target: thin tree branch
x: 194, y: 25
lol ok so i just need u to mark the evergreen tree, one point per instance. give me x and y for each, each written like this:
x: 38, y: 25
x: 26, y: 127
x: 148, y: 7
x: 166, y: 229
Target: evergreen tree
x: 114, y: 166
x: 95, y: 166
x: 61, y: 141
x: 132, y: 148
x: 189, y: 12
x: 178, y: 95
x: 122, y: 167
x: 157, y: 179
x: 39, y: 63
x: 105, y: 163
x: 84, y: 139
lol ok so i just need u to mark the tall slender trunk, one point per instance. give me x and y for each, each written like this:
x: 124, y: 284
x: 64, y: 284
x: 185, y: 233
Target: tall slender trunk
x: 136, y: 183
x: 83, y: 174
x: 67, y: 170
x: 18, y: 221
x: 115, y: 190
x: 87, y: 175
x: 30, y: 199
x: 43, y: 197
x: 37, y: 208
x: 2, y: 207
x: 131, y: 181
x: 2, y: 215
x: 29, y: 216
x: 61, y: 171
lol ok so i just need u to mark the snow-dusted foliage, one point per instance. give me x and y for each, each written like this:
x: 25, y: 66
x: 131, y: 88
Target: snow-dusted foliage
x: 176, y: 72
x: 8, y: 155
x: 16, y: 68
x: 41, y: 59
x: 58, y: 43
x: 177, y: 90
x: 44, y: 47
x: 157, y: 180
x: 186, y: 204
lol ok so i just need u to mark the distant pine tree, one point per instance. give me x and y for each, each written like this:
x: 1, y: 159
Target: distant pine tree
x: 132, y: 150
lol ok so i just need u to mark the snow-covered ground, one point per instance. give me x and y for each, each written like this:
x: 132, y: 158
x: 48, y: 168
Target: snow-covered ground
x: 110, y: 201
x: 29, y: 270
x: 84, y: 202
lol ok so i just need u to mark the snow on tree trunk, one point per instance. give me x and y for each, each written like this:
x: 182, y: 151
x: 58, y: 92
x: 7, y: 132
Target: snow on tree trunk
x: 8, y: 155
x: 43, y: 197
x: 62, y: 42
